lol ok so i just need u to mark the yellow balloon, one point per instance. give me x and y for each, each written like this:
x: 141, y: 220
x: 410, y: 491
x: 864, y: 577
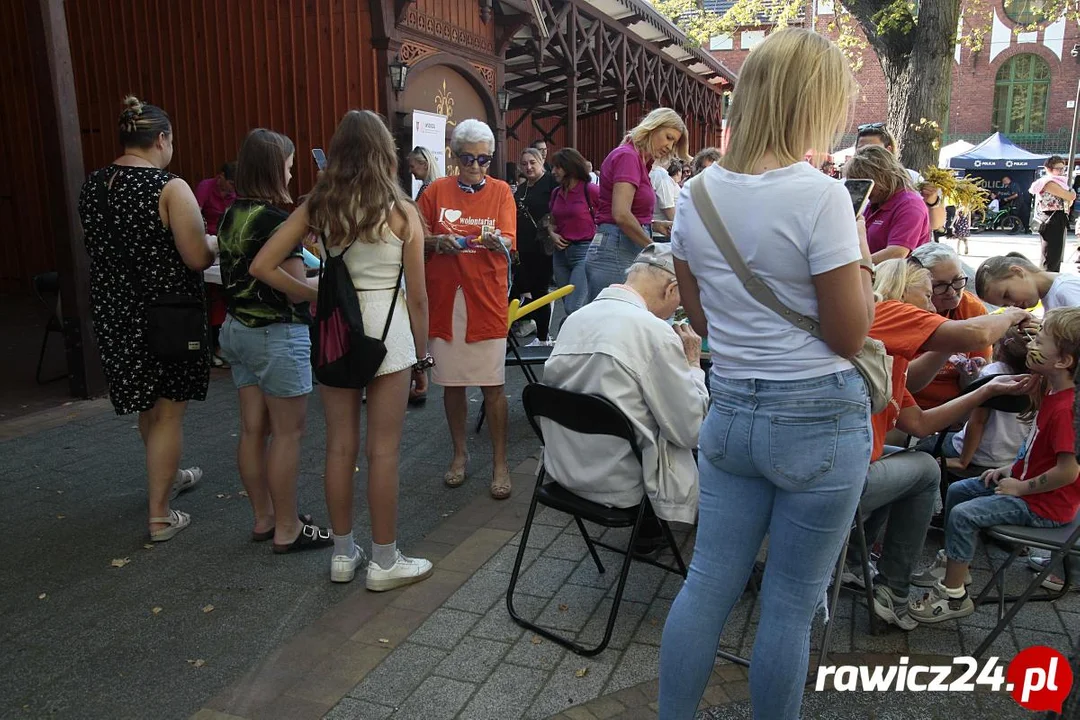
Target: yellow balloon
x: 516, y: 313
x: 511, y: 314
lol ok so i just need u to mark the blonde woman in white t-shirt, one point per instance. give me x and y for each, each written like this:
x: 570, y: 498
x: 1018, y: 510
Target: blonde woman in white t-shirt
x: 785, y: 448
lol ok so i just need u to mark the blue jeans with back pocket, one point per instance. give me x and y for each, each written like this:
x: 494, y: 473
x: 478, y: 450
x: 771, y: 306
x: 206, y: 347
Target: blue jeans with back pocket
x: 787, y: 459
x: 610, y: 255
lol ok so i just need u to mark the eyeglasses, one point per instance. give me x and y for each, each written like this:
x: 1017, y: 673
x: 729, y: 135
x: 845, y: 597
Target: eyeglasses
x: 467, y: 159
x: 958, y: 284
x: 1058, y: 168
x: 871, y: 126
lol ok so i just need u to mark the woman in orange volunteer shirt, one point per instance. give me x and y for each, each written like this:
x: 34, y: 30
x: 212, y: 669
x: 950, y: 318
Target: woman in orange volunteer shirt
x: 473, y: 224
x: 951, y: 301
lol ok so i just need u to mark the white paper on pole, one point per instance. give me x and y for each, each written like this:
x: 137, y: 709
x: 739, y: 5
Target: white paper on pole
x: 429, y: 131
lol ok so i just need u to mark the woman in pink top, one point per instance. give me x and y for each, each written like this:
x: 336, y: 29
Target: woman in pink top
x: 897, y: 220
x: 625, y: 210
x: 573, y: 223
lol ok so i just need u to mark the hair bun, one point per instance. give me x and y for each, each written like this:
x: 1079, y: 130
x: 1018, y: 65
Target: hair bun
x: 133, y: 104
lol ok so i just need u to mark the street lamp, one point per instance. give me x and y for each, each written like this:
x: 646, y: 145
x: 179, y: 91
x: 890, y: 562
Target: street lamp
x: 399, y: 71
x: 503, y: 98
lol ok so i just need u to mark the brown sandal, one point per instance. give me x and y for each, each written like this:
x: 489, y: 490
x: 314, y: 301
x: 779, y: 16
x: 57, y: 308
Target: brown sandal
x: 500, y: 486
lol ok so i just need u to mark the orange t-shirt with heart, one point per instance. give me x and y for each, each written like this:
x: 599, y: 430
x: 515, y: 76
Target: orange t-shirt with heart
x: 481, y: 274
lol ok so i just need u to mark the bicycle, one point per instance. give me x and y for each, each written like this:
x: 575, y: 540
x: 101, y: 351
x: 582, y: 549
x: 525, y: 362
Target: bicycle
x: 1002, y: 220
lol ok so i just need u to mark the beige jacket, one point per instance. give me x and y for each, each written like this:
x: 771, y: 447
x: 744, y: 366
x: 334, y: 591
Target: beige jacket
x: 614, y: 347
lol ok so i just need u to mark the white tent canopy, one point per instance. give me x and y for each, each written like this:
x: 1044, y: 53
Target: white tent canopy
x: 951, y: 150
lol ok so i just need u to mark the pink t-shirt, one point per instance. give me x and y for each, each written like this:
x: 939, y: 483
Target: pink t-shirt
x: 624, y: 164
x: 571, y: 211
x: 901, y: 220
x: 212, y: 204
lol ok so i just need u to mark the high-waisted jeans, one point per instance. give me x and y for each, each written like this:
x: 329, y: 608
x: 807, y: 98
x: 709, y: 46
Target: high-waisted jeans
x: 610, y: 255
x: 787, y: 459
x: 569, y: 267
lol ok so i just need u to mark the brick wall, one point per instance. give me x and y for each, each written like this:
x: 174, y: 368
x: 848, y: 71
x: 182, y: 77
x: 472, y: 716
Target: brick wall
x: 971, y: 107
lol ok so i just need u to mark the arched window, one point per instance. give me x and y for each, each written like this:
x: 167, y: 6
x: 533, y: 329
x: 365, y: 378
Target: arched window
x: 1024, y: 12
x: 1021, y: 95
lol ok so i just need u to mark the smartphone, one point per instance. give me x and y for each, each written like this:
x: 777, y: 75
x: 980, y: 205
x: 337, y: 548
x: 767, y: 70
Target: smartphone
x: 320, y: 158
x: 860, y: 194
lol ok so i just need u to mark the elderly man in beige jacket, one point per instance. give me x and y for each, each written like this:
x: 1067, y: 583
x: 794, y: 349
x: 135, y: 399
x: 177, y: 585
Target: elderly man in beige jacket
x: 620, y: 347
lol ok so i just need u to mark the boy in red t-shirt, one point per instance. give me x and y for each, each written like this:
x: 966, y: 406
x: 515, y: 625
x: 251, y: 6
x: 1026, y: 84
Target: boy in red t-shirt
x: 1040, y: 489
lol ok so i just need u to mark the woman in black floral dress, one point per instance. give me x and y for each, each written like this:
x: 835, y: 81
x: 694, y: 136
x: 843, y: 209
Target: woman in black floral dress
x: 145, y: 238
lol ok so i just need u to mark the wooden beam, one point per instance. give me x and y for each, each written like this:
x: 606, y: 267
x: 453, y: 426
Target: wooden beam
x: 571, y: 82
x: 58, y: 113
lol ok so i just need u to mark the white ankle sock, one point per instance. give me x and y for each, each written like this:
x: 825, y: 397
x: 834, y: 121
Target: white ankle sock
x: 956, y: 592
x: 344, y: 545
x: 384, y: 555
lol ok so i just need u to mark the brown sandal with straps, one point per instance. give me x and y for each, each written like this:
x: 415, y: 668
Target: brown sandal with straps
x: 500, y: 486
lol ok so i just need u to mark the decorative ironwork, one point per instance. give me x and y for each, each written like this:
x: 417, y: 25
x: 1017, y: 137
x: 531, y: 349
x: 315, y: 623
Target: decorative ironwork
x: 413, y: 52
x: 444, y: 104
x: 486, y: 72
x: 447, y: 31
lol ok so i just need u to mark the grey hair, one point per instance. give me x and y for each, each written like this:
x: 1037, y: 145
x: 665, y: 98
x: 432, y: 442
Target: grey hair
x: 471, y: 131
x: 534, y: 154
x: 934, y: 253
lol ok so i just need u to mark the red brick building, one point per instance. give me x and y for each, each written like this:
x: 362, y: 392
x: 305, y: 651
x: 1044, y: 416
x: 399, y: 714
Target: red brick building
x: 1021, y: 83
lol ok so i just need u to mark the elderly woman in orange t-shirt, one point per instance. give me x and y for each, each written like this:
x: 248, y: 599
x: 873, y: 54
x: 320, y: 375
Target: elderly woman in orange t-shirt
x: 473, y: 224
x: 951, y: 301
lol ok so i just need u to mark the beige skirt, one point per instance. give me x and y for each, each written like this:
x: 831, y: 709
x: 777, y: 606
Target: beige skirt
x: 467, y: 364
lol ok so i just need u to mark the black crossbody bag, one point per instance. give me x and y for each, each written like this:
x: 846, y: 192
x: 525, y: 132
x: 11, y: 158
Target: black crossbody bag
x: 175, y: 322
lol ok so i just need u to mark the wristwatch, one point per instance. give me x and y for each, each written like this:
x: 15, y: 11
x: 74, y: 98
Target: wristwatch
x: 424, y: 363
x: 868, y: 267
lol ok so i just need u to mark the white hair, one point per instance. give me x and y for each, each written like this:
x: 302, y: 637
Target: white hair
x: 933, y: 254
x: 472, y: 131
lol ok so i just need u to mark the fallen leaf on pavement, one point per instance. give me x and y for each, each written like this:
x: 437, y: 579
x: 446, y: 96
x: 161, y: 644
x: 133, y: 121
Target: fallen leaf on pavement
x: 155, y: 610
x: 384, y: 640
x: 120, y: 562
x: 197, y: 663
x: 536, y: 640
x: 582, y: 672
x: 242, y: 493
x: 148, y: 546
x: 61, y: 517
x: 42, y: 596
x: 208, y: 608
x: 564, y: 607
x: 653, y: 621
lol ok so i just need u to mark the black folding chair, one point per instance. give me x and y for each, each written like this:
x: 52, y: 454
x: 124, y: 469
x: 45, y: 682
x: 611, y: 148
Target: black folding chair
x: 589, y: 415
x: 1062, y: 542
x: 526, y: 358
x: 47, y: 291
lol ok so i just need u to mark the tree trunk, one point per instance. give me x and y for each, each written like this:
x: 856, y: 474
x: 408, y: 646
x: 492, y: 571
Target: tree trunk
x: 916, y: 56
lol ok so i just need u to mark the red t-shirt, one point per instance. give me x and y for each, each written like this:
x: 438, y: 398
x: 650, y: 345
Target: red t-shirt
x: 1051, y: 433
x: 904, y: 329
x: 480, y: 273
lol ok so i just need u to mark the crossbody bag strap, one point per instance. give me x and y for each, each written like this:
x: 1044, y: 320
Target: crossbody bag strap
x: 393, y: 303
x: 753, y: 284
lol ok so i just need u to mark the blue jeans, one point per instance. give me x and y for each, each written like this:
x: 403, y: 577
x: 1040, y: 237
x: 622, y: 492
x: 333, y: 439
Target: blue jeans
x: 276, y: 357
x: 785, y: 459
x: 610, y: 255
x: 569, y: 268
x: 971, y: 506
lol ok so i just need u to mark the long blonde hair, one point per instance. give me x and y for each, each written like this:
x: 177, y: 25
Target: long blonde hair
x: 895, y: 277
x: 873, y: 162
x: 422, y: 153
x: 354, y: 195
x: 793, y: 95
x: 660, y: 118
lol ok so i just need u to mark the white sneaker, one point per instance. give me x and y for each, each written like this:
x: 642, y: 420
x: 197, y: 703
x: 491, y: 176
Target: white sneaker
x: 343, y: 567
x: 524, y: 328
x: 405, y: 571
x: 935, y: 574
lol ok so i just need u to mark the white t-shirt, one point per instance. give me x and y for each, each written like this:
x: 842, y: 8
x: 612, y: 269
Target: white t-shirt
x: 1064, y: 292
x: 1003, y: 434
x: 666, y: 191
x: 788, y: 224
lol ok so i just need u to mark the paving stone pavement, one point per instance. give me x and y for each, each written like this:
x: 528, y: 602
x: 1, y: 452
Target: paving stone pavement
x: 469, y: 660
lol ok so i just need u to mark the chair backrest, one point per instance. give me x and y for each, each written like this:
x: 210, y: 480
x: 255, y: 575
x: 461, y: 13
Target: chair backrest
x: 577, y: 412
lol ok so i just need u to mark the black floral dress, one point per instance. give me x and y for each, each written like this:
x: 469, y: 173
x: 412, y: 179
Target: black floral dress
x: 133, y: 260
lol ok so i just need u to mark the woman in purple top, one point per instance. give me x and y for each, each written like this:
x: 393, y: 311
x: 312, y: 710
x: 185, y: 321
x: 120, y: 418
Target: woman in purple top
x: 625, y: 209
x: 897, y: 220
x: 573, y: 223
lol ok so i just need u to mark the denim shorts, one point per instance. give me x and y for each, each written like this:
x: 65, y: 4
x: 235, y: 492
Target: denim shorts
x: 276, y: 357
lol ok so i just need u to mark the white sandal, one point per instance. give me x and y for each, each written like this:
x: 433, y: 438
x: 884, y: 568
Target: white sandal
x: 185, y: 480
x: 176, y: 522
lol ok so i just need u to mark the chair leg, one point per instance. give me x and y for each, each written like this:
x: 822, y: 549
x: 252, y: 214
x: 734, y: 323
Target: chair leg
x: 868, y: 577
x: 674, y: 546
x: 589, y: 544
x: 834, y: 599
x: 41, y: 357
x: 521, y: 556
x: 1017, y: 604
x: 483, y: 412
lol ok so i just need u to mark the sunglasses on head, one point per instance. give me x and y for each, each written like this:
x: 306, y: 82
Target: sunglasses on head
x: 871, y: 126
x: 467, y: 159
